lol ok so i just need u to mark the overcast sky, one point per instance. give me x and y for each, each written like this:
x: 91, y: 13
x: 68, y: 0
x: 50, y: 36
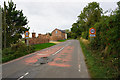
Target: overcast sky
x: 46, y: 15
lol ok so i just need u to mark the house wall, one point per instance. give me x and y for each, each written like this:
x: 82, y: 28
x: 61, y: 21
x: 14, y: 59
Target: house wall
x: 57, y: 35
x: 38, y: 40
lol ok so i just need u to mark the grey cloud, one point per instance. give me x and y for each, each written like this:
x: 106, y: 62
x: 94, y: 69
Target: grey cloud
x: 45, y: 16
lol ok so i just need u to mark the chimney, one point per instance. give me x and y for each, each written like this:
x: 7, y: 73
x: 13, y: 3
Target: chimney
x: 39, y: 35
x: 33, y: 35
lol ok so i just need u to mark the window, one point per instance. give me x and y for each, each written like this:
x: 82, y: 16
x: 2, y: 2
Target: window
x: 56, y: 32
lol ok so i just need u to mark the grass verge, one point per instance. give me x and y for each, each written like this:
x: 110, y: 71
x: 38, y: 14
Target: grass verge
x: 43, y: 45
x: 61, y: 40
x: 20, y: 49
x: 98, y: 66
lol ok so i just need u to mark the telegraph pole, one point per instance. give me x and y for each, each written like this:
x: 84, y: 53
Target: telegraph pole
x: 0, y: 42
x: 4, y: 25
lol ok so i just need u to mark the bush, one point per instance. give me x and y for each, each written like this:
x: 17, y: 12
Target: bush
x: 7, y: 51
x: 17, y: 50
x: 85, y: 35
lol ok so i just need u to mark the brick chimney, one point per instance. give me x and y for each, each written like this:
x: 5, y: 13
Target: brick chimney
x: 33, y: 35
x: 39, y: 35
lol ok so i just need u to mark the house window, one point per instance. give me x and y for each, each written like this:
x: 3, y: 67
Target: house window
x: 56, y: 32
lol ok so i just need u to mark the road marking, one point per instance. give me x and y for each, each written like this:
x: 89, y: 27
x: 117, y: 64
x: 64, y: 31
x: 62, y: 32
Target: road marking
x: 23, y: 76
x: 60, y: 49
x: 79, y: 68
x: 26, y: 73
x: 41, y: 54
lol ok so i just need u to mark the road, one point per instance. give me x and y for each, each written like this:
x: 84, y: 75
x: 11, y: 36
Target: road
x: 66, y: 61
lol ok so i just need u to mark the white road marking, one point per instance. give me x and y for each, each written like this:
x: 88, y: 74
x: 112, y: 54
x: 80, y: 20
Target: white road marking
x: 23, y: 76
x: 79, y: 68
x: 60, y: 49
x: 26, y: 73
x: 41, y: 54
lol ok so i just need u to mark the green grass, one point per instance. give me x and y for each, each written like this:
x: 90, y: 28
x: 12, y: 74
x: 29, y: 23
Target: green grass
x: 61, y: 40
x: 42, y: 46
x: 22, y: 50
x: 97, y: 66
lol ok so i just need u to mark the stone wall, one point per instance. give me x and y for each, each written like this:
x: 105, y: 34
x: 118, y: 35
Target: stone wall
x: 38, y: 40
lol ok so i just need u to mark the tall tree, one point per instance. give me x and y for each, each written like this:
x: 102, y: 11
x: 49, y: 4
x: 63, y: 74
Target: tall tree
x: 89, y: 16
x: 13, y: 24
x: 76, y: 29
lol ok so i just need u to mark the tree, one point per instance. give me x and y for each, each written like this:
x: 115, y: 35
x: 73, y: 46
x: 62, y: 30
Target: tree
x: 107, y: 33
x: 76, y: 30
x: 89, y: 16
x: 13, y: 24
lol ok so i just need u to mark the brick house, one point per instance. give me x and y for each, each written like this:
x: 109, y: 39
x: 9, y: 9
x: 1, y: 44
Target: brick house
x: 58, y: 34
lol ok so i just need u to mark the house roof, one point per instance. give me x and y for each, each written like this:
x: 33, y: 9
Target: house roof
x: 63, y: 31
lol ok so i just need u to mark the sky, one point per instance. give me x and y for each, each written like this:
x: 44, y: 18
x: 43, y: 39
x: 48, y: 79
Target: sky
x: 46, y: 15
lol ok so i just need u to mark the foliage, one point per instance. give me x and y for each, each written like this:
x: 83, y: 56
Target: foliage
x: 88, y: 17
x: 107, y: 32
x: 84, y: 35
x: 13, y: 22
x: 75, y: 30
x: 17, y: 50
x: 100, y: 67
x: 106, y: 44
x: 107, y: 38
x: 20, y: 49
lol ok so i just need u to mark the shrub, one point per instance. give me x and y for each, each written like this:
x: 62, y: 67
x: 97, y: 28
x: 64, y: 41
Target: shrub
x: 85, y: 35
x: 17, y: 50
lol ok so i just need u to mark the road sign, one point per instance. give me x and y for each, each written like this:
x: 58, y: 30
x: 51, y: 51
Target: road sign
x: 92, y: 32
x: 26, y: 37
x: 26, y: 34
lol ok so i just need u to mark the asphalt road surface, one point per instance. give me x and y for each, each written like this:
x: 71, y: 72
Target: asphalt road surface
x: 65, y: 60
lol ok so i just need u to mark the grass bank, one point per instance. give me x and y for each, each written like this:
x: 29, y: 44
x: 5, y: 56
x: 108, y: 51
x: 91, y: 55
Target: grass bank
x: 20, y: 49
x: 42, y: 46
x: 98, y: 66
x: 61, y: 40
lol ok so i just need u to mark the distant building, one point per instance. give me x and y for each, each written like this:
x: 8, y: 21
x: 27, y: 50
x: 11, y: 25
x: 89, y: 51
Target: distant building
x: 58, y: 34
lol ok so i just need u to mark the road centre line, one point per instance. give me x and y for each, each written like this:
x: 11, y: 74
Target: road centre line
x: 79, y: 68
x: 79, y: 62
x: 23, y: 76
x: 60, y: 49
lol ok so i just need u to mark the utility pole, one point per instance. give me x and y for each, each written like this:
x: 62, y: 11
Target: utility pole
x: 4, y: 25
x: 0, y: 42
x: 0, y: 29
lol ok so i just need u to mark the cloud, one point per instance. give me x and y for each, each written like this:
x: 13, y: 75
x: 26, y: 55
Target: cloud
x: 46, y: 15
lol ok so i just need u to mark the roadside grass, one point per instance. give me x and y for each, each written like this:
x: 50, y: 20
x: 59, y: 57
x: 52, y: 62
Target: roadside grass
x: 43, y: 45
x: 98, y: 66
x: 20, y: 49
x: 61, y: 40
